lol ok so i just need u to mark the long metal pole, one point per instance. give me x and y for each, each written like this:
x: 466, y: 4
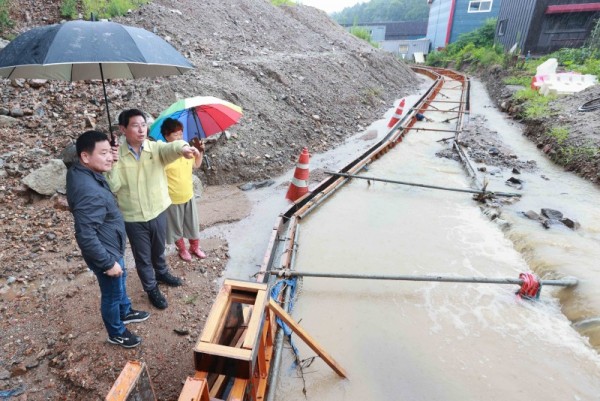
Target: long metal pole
x: 471, y: 191
x: 112, y: 136
x: 278, y: 344
x: 567, y: 282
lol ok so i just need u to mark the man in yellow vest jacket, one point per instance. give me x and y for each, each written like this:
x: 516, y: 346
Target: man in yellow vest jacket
x: 139, y: 181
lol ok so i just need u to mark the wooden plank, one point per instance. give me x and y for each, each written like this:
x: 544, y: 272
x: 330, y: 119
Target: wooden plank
x: 194, y: 390
x: 238, y: 390
x: 221, y: 360
x: 223, y: 350
x: 245, y: 285
x: 220, y: 382
x: 283, y: 315
x: 254, y: 324
x: 132, y: 384
x: 243, y: 297
x: 218, y: 386
x: 216, y: 315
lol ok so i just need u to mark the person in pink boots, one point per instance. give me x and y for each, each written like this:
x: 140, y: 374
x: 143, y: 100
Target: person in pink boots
x: 182, y: 216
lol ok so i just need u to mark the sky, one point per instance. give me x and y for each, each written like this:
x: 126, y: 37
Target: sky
x: 331, y: 5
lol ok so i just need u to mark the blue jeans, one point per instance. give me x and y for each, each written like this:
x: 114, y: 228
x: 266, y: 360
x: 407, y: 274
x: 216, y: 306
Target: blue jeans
x: 114, y: 302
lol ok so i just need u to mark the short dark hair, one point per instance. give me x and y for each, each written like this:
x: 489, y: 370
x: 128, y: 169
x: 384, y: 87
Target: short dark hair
x: 87, y: 141
x: 127, y: 114
x: 169, y: 126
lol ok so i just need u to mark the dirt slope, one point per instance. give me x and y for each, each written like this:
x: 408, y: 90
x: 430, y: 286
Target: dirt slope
x: 569, y: 137
x: 302, y: 81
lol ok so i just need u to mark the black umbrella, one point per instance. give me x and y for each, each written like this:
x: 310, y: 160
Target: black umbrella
x: 81, y: 50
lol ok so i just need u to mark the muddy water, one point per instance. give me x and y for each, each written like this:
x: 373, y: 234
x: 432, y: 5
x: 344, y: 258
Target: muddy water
x: 558, y: 250
x: 443, y: 341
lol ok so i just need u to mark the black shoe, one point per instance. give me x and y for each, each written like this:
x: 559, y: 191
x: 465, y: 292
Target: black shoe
x: 125, y: 340
x: 135, y: 316
x: 169, y: 279
x: 157, y: 299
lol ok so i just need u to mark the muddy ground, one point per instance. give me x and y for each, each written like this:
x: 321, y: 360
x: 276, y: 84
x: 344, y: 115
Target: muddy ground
x: 301, y: 80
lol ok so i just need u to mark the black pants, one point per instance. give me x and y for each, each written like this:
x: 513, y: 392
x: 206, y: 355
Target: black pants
x: 147, y: 240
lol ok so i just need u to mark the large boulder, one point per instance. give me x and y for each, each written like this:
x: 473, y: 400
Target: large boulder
x: 48, y: 179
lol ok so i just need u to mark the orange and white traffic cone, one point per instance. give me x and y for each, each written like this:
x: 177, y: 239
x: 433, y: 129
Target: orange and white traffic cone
x: 299, y: 184
x: 398, y: 114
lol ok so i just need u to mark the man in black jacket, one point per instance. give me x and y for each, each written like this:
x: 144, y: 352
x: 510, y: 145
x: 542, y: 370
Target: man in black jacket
x: 100, y: 234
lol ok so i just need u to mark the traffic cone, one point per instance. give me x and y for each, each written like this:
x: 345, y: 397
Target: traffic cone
x: 299, y: 184
x: 397, y: 115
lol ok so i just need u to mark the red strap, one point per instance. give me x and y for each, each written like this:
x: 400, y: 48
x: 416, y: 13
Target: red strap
x: 531, y: 286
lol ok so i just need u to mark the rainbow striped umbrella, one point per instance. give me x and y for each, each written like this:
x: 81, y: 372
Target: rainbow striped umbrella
x: 201, y: 116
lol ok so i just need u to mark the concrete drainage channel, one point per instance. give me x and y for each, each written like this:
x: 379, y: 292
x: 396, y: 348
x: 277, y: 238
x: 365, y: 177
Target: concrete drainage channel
x: 238, y: 354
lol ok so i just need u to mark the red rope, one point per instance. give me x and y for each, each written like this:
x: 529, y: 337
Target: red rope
x: 531, y: 287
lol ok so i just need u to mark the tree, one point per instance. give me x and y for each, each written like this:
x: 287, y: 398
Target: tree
x: 383, y: 11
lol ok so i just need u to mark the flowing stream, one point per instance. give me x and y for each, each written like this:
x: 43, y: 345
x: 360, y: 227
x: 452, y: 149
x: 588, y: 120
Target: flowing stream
x: 448, y: 341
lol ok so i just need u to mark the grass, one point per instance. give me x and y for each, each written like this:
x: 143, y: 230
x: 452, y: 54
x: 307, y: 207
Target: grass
x: 108, y: 8
x: 534, y: 104
x: 283, y: 3
x: 517, y: 80
x: 364, y: 34
x: 68, y: 9
x: 5, y: 21
x: 559, y: 133
x: 569, y: 153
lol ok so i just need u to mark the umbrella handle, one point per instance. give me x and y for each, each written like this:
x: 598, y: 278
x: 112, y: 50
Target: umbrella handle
x: 113, y: 140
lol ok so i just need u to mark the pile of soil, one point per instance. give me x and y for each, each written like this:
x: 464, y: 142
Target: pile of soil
x: 301, y: 79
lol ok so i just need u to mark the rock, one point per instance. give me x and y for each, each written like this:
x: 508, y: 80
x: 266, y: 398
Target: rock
x: 369, y: 135
x: 7, y: 121
x: 48, y: 179
x: 16, y: 112
x: 573, y: 225
x: 264, y: 183
x: 516, y: 171
x: 4, y: 374
x: 515, y: 183
x: 198, y: 186
x: 60, y: 202
x: 493, y: 151
x: 69, y: 155
x: 530, y: 214
x: 552, y: 214
x: 247, y: 186
x: 18, y: 369
x: 549, y: 222
x: 37, y: 83
x: 89, y: 122
x: 182, y: 331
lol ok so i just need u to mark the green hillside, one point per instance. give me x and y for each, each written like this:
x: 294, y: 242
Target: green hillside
x: 383, y: 11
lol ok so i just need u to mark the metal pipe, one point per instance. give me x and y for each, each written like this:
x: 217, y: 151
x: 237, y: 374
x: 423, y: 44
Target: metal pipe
x: 113, y: 141
x: 278, y: 346
x: 471, y: 191
x: 567, y: 282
